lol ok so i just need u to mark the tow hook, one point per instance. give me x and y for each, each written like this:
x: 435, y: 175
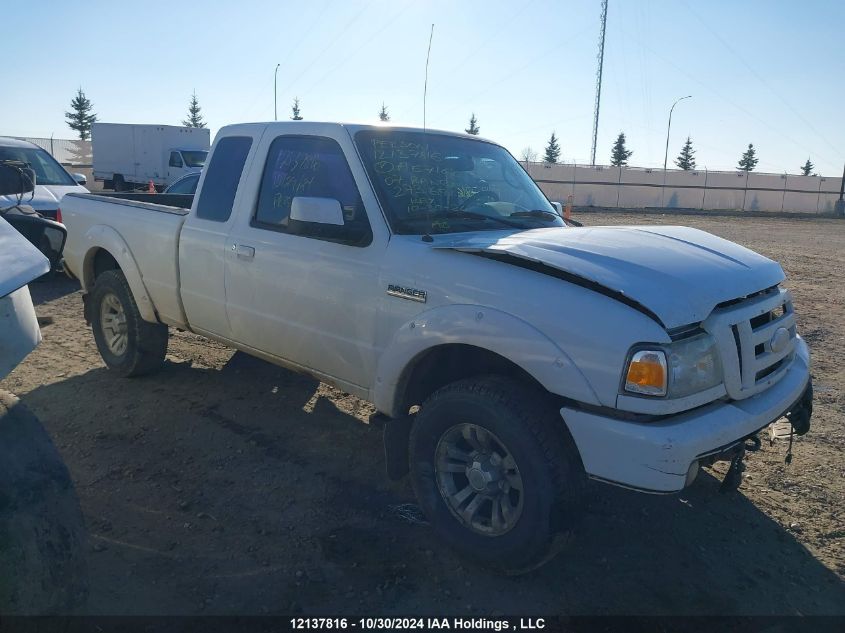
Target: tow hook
x: 733, y: 478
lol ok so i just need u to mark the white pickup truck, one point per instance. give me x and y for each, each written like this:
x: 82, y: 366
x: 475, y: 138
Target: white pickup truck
x: 511, y: 356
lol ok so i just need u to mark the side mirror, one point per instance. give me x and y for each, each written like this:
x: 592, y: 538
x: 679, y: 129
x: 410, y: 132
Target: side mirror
x: 80, y: 179
x: 558, y: 207
x: 316, y: 210
x: 15, y: 178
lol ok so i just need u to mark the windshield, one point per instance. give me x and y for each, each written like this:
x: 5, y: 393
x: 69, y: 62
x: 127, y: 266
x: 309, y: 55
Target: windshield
x: 194, y: 158
x: 436, y: 183
x: 47, y: 170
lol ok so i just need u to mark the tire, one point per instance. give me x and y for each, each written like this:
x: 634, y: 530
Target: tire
x: 541, y: 478
x: 129, y: 345
x: 118, y: 183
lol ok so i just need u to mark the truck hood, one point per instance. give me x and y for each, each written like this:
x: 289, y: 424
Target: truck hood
x: 46, y: 198
x: 676, y: 273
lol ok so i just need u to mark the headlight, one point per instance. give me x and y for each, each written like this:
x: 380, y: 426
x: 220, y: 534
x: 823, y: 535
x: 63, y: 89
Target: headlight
x: 647, y: 373
x: 689, y: 366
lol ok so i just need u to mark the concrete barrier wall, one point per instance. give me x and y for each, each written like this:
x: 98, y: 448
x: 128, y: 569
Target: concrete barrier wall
x: 633, y: 187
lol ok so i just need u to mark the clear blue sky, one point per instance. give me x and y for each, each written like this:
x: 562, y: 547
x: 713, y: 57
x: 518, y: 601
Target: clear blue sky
x: 764, y: 72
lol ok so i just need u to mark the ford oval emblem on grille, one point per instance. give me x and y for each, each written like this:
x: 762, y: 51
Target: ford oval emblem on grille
x: 780, y: 339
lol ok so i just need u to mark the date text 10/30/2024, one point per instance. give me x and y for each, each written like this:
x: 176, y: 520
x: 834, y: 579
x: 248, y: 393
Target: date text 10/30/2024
x: 420, y: 624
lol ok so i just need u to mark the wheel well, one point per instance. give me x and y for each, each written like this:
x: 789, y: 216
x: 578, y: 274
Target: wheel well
x: 445, y: 364
x: 103, y: 261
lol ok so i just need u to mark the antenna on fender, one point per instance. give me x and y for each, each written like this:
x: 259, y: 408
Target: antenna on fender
x: 425, y: 86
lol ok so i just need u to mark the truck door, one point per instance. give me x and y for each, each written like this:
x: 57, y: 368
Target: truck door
x: 307, y: 292
x: 202, y: 242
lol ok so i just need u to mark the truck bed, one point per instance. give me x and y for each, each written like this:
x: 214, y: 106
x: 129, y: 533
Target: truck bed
x: 144, y: 234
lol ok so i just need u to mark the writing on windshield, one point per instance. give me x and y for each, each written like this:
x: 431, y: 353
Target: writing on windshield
x: 435, y: 182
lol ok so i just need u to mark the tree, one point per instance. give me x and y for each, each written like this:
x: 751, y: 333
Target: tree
x: 81, y: 117
x: 552, y: 154
x: 194, y: 115
x: 473, y: 126
x: 529, y: 155
x: 79, y: 153
x: 620, y: 155
x: 383, y: 115
x: 749, y: 159
x: 295, y: 110
x: 686, y: 159
x: 807, y: 169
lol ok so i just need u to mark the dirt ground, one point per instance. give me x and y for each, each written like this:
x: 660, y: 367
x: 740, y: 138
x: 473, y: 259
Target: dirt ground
x: 224, y: 485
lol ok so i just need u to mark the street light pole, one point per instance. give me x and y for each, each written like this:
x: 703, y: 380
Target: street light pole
x: 668, y: 128
x: 275, y: 105
x: 666, y: 153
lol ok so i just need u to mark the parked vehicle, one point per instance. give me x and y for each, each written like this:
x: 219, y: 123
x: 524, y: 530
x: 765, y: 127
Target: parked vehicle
x: 128, y: 156
x: 20, y: 263
x: 185, y: 185
x: 510, y: 356
x: 52, y: 182
x: 17, y: 183
x: 44, y: 536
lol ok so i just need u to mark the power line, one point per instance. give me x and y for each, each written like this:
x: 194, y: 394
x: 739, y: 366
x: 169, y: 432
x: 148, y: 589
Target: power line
x: 348, y: 58
x: 760, y: 79
x: 335, y: 40
x: 598, y: 81
x: 747, y: 112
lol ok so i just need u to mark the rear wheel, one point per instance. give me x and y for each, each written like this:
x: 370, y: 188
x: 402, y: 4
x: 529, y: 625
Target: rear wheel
x: 118, y: 183
x: 128, y: 344
x: 496, y: 472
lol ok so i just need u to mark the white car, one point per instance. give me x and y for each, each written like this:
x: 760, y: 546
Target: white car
x: 52, y: 181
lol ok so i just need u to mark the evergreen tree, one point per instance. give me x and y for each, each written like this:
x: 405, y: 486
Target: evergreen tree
x: 552, y: 154
x: 383, y: 115
x: 620, y: 155
x: 473, y: 126
x: 81, y: 117
x: 749, y: 159
x: 295, y: 110
x: 807, y: 169
x: 686, y: 159
x: 194, y: 113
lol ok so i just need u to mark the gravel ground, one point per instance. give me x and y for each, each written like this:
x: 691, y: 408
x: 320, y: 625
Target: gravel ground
x: 223, y: 485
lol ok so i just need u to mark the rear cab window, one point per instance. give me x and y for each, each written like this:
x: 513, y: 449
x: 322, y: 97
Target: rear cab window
x: 217, y: 195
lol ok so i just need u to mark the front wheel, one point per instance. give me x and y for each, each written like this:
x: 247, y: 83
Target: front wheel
x: 129, y: 345
x: 496, y: 472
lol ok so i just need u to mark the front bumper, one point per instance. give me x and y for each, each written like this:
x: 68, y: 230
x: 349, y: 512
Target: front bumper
x: 657, y: 456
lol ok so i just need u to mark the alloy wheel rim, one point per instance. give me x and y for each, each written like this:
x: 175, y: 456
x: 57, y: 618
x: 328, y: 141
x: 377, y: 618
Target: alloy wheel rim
x: 113, y: 324
x: 479, y: 479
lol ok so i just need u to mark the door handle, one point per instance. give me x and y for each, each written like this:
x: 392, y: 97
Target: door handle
x: 243, y: 251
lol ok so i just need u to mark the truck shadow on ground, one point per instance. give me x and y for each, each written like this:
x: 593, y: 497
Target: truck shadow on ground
x: 252, y: 489
x: 52, y: 286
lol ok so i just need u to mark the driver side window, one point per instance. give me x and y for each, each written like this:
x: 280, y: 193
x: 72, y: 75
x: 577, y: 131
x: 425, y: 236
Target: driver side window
x: 300, y: 166
x: 175, y: 159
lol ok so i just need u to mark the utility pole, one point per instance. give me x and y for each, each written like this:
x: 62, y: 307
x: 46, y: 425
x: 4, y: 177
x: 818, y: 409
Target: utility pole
x: 598, y: 82
x: 275, y: 93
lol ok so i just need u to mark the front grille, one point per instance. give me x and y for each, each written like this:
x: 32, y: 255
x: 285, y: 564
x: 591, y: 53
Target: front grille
x: 755, y: 353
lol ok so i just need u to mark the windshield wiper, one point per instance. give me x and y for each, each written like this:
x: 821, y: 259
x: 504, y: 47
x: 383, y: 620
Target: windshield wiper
x: 534, y: 213
x: 461, y: 214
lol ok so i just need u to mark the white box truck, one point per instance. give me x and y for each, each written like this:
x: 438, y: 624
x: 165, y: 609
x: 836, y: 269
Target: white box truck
x: 127, y: 156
